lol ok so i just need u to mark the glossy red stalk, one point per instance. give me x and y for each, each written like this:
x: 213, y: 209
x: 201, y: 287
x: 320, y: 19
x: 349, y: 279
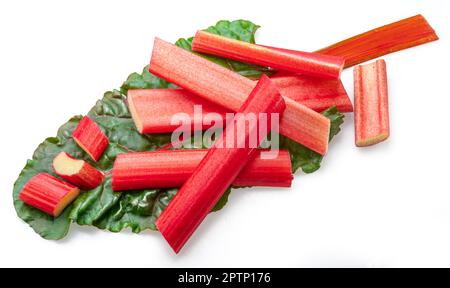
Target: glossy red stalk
x: 315, y: 93
x: 48, y: 194
x: 306, y: 63
x: 171, y: 168
x: 90, y: 138
x: 219, y: 168
x: 153, y: 109
x: 383, y: 40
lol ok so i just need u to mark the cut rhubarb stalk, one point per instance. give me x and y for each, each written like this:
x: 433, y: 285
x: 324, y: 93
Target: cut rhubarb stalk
x: 307, y: 63
x: 230, y: 90
x: 218, y: 169
x: 90, y: 138
x: 48, y: 194
x: 383, y: 40
x: 171, y: 168
x: 77, y: 172
x: 153, y: 109
x: 371, y: 104
x: 315, y: 93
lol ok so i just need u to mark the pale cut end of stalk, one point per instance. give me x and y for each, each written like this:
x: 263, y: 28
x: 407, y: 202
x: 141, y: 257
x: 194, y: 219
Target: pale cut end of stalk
x: 372, y: 141
x: 77, y: 172
x: 134, y: 113
x: 85, y: 149
x: 65, y: 201
x: 65, y: 165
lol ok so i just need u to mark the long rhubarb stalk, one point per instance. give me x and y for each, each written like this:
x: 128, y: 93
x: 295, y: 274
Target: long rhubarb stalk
x: 48, y: 194
x: 230, y: 90
x: 78, y: 172
x: 316, y: 93
x: 383, y: 40
x: 90, y: 138
x: 171, y: 168
x: 153, y: 109
x: 220, y: 167
x: 371, y: 104
x: 299, y: 62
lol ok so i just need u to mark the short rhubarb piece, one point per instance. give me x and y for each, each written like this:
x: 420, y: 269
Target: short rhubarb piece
x: 90, y: 138
x: 48, y: 194
x: 371, y: 104
x: 153, y: 109
x: 220, y: 167
x: 171, y: 168
x: 230, y: 90
x: 307, y: 63
x: 383, y: 40
x: 77, y: 172
x: 315, y: 93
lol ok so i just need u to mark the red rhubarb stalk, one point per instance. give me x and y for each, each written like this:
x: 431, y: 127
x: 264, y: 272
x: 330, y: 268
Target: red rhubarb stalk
x: 77, y: 172
x: 218, y: 169
x: 371, y: 104
x: 230, y: 90
x: 307, y: 63
x: 90, y: 138
x: 48, y: 194
x: 153, y: 109
x: 383, y: 40
x: 171, y: 168
x: 316, y: 93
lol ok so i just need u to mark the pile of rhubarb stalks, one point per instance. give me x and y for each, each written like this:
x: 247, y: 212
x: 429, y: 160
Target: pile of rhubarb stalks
x: 299, y: 86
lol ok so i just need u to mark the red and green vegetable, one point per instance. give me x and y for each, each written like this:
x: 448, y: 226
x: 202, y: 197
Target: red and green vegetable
x: 85, y: 148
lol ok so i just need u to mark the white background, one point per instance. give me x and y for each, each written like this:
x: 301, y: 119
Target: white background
x: 388, y: 205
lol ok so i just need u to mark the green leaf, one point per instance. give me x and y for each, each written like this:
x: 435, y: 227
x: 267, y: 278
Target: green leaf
x: 93, y: 204
x: 137, y: 210
x: 222, y: 201
x: 145, y: 80
x: 336, y: 118
x: 240, y: 30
